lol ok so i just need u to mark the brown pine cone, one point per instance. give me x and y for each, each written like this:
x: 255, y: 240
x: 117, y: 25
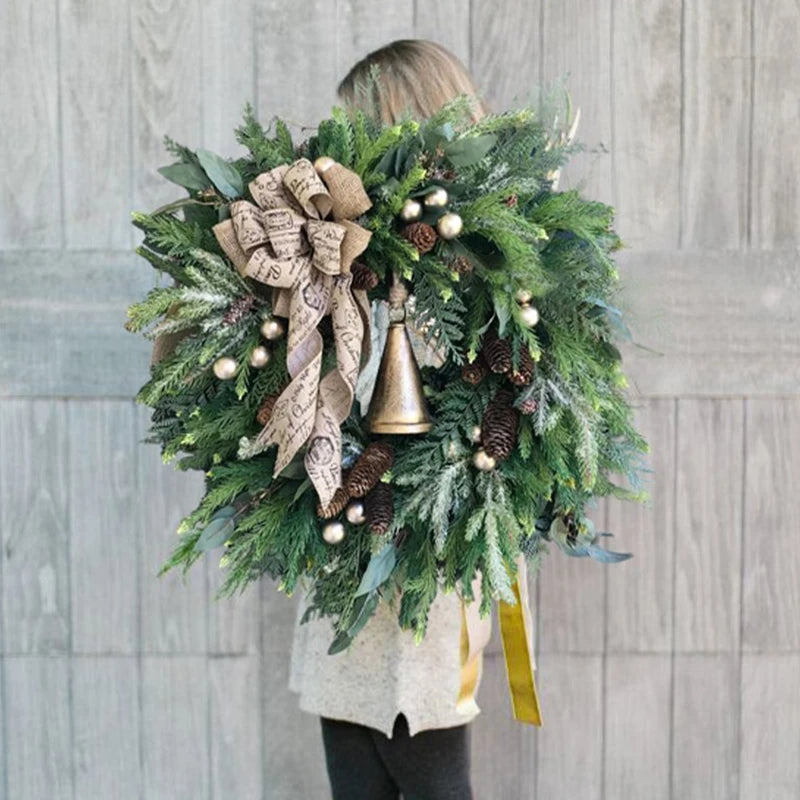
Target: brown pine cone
x: 461, y: 265
x: 265, y: 409
x: 475, y: 372
x: 528, y: 406
x: 238, y: 309
x: 371, y: 464
x: 339, y: 500
x: 421, y: 235
x: 511, y: 200
x: 497, y: 353
x: 523, y: 374
x: 363, y: 276
x: 499, y: 426
x: 379, y: 508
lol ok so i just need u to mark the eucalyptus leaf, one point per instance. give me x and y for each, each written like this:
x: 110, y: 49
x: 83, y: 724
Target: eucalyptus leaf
x: 468, y: 151
x: 215, y: 534
x: 301, y: 490
x: 363, y: 608
x: 190, y: 176
x: 378, y: 570
x: 503, y: 315
x: 223, y: 175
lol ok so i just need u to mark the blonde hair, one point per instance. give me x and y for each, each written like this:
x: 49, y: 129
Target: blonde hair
x: 408, y: 76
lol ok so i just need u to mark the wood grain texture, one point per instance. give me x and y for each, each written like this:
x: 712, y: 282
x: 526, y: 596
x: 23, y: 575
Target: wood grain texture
x: 167, y: 91
x: 445, y: 22
x: 508, y: 74
x: 770, y: 727
x: 102, y: 519
x: 646, y: 113
x: 173, y: 607
x: 706, y: 727
x: 503, y: 750
x: 228, y: 56
x: 30, y: 180
x: 95, y: 98
x: 771, y: 588
x: 708, y: 524
x: 34, y: 520
x: 716, y: 123
x: 235, y: 727
x: 640, y: 590
x: 106, y: 719
x: 175, y: 734
x: 233, y: 622
x: 637, y: 709
x: 575, y: 39
x: 570, y: 752
x: 39, y: 743
x: 775, y: 159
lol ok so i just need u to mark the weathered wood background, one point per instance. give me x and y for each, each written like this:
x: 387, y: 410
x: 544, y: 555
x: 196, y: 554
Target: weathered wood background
x: 675, y: 675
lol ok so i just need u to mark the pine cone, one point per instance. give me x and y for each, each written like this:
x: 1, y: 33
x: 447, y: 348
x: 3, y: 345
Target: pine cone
x: 499, y: 426
x: 497, y: 353
x: 421, y: 235
x: 523, y: 374
x: 238, y: 309
x: 475, y: 372
x: 528, y: 406
x: 511, y: 200
x: 363, y: 276
x: 461, y: 265
x: 336, y: 505
x: 371, y: 464
x: 265, y: 409
x: 379, y: 508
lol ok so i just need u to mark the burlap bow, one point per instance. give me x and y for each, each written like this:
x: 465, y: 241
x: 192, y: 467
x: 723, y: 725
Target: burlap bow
x: 286, y: 242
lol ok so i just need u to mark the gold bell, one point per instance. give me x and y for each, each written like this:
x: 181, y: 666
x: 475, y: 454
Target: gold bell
x: 398, y: 404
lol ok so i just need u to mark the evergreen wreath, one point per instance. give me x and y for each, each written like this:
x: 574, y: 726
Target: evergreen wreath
x: 511, y: 282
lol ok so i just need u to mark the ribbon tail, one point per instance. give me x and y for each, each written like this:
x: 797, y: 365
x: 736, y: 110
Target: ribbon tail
x: 516, y: 633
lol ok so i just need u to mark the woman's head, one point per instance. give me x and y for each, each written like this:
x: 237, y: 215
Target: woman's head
x: 414, y: 76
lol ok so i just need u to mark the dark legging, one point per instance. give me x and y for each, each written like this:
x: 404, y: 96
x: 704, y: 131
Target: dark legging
x: 364, y: 764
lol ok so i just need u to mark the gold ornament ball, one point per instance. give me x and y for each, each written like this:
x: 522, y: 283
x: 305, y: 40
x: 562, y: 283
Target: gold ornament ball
x: 449, y: 225
x: 523, y: 296
x: 323, y: 163
x: 436, y: 198
x: 259, y: 357
x: 475, y: 434
x: 411, y: 211
x: 272, y: 329
x: 483, y: 461
x: 529, y: 315
x: 225, y: 368
x: 333, y: 532
x: 355, y: 513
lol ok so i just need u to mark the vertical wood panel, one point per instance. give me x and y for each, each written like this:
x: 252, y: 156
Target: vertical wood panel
x: 167, y: 91
x: 637, y: 703
x: 102, y: 469
x: 776, y: 161
x: 716, y: 113
x: 95, y: 97
x: 30, y: 180
x: 233, y: 622
x: 770, y: 727
x: 235, y: 728
x: 640, y: 590
x: 575, y: 41
x: 174, y: 609
x: 175, y: 756
x: 506, y: 51
x: 39, y: 746
x: 571, y: 741
x: 706, y: 726
x: 34, y: 519
x: 646, y: 114
x: 445, y: 22
x: 771, y: 600
x: 106, y: 723
x: 708, y: 524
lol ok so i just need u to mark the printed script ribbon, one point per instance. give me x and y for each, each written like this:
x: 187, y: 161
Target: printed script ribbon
x: 287, y: 241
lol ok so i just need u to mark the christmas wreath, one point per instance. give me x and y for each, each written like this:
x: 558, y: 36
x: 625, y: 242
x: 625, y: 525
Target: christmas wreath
x: 391, y: 351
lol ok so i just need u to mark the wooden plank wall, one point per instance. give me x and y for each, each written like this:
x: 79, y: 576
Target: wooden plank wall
x: 674, y: 675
